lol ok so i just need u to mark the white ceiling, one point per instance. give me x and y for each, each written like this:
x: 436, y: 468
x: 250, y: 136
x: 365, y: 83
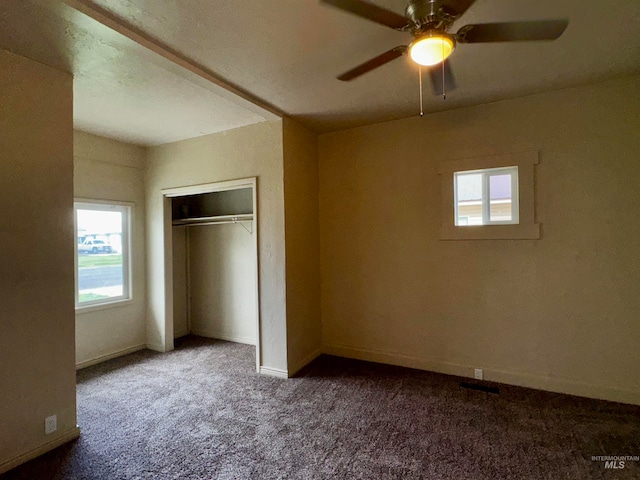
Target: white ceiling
x: 288, y: 52
x: 121, y: 89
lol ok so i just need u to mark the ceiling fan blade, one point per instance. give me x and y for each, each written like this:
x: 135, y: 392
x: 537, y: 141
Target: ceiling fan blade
x: 512, y: 31
x: 370, y: 12
x: 435, y: 75
x: 374, y: 63
x: 456, y: 8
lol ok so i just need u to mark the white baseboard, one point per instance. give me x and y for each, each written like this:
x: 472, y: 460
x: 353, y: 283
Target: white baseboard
x: 522, y: 379
x: 304, y: 362
x: 274, y: 372
x: 228, y: 338
x: 104, y: 358
x: 42, y: 449
x: 155, y: 348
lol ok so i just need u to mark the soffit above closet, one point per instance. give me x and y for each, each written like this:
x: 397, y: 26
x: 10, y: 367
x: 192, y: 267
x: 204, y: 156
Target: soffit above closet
x: 121, y: 89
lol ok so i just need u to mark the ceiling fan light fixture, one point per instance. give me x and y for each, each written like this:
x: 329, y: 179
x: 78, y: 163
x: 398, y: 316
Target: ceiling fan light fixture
x: 431, y: 49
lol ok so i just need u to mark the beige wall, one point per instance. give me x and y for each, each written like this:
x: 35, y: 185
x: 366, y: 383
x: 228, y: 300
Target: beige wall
x: 250, y: 151
x: 36, y: 272
x: 105, y: 169
x: 302, y: 244
x: 559, y: 313
x: 222, y: 282
x: 180, y: 283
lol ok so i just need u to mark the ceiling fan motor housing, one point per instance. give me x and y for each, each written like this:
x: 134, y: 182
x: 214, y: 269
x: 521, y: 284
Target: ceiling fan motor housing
x: 428, y: 15
x: 420, y: 10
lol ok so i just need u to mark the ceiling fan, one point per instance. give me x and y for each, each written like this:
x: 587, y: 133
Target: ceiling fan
x: 429, y: 21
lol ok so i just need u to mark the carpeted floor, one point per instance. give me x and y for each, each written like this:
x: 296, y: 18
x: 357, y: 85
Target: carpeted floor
x: 201, y: 412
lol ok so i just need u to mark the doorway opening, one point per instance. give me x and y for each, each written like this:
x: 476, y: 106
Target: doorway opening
x: 211, y: 262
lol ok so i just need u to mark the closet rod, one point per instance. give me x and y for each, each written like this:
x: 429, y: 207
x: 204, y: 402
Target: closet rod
x: 227, y: 219
x: 213, y: 219
x: 197, y: 224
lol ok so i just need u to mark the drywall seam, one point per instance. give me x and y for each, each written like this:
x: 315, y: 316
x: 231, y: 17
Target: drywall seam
x: 521, y: 379
x: 42, y: 449
x: 109, y: 356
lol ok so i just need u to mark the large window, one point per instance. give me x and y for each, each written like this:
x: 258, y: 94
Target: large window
x: 102, y: 254
x: 486, y: 197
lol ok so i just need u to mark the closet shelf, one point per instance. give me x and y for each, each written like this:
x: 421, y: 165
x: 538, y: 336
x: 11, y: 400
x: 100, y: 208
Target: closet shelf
x: 213, y: 220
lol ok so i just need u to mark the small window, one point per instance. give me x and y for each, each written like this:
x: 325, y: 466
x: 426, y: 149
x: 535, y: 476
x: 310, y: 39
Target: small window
x: 486, y: 197
x: 102, y: 253
x: 489, y: 198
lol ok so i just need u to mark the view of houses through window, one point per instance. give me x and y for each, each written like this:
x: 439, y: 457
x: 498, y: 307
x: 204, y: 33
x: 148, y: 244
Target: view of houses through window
x: 485, y: 197
x: 102, y: 273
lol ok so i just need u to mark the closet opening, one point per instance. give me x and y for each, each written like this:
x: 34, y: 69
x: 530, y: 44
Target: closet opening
x: 212, y: 249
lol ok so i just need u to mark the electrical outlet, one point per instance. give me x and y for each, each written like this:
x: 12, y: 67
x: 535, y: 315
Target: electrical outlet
x: 50, y: 424
x: 478, y: 374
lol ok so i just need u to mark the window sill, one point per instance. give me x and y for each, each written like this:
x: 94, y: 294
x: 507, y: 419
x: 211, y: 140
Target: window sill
x: 491, y: 232
x: 103, y: 306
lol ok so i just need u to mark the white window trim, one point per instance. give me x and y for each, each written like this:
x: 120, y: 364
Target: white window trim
x: 127, y: 297
x: 527, y: 228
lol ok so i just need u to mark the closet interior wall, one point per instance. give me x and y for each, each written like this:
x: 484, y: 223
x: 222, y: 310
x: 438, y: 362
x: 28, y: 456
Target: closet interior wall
x: 214, y: 266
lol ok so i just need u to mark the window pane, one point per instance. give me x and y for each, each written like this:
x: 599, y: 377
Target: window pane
x: 100, y: 263
x: 500, y: 198
x: 469, y: 199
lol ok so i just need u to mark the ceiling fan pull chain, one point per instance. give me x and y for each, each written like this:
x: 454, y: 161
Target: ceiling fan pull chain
x: 444, y: 85
x: 420, y: 81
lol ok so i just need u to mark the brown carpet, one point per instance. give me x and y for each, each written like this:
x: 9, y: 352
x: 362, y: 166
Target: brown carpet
x: 201, y: 412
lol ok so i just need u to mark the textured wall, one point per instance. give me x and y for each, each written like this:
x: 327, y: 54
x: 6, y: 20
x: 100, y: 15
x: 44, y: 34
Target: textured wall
x: 180, y: 282
x: 302, y: 243
x: 37, y: 375
x: 559, y: 313
x: 222, y: 282
x: 105, y: 169
x: 250, y: 151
